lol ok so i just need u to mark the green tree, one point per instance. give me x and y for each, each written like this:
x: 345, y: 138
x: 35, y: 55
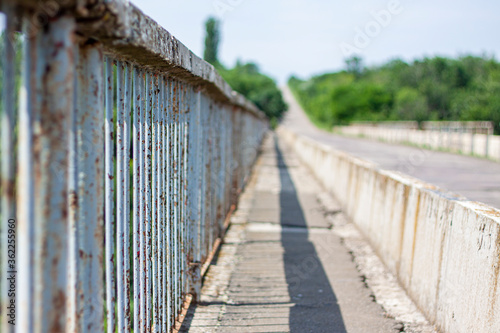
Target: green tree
x: 354, y: 65
x: 257, y: 87
x: 212, y: 40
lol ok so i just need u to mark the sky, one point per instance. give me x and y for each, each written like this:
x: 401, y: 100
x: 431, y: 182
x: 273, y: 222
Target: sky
x: 308, y: 37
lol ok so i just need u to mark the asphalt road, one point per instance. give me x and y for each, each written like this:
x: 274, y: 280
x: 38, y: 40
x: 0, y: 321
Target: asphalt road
x: 474, y: 178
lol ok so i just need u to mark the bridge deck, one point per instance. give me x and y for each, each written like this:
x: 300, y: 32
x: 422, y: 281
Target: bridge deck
x: 475, y: 178
x: 282, y: 268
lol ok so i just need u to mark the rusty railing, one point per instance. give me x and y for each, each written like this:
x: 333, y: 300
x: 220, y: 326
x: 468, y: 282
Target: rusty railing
x: 122, y: 156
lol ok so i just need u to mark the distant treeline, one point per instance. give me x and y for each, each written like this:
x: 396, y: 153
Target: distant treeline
x: 257, y: 87
x: 467, y: 88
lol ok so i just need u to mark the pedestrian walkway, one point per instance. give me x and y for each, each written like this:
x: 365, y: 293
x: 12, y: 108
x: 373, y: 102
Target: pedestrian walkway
x: 281, y: 268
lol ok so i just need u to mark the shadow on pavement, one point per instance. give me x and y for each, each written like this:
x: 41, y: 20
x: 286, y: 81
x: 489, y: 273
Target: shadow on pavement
x: 316, y: 308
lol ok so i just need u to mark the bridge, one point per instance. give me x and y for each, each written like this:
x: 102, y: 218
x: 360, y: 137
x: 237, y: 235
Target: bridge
x: 141, y: 194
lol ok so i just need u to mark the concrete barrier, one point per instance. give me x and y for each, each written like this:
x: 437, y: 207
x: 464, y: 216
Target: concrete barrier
x: 481, y: 145
x: 444, y: 250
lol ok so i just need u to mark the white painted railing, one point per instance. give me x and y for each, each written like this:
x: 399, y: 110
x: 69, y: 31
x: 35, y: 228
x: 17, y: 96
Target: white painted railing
x: 120, y: 166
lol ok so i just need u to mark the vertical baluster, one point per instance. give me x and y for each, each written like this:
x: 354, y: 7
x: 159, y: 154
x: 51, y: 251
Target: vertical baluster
x: 190, y: 198
x: 199, y: 180
x: 187, y: 181
x: 162, y: 231
x: 143, y: 219
x: 210, y: 194
x: 182, y: 123
x: 89, y: 129
x: 180, y: 183
x: 199, y: 185
x: 109, y: 197
x: 137, y: 202
x: 229, y: 162
x: 223, y: 180
x: 154, y: 192
x: 204, y: 179
x: 220, y: 167
x: 160, y: 198
x: 234, y: 160
x: 120, y: 196
x: 123, y: 197
x: 175, y: 194
x: 215, y: 172
x: 180, y: 217
x: 223, y: 168
x: 168, y: 199
x: 51, y: 173
x: 147, y: 206
x: 126, y: 201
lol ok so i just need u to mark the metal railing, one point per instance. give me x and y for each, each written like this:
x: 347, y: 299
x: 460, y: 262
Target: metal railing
x: 120, y: 165
x: 470, y: 137
x: 474, y: 127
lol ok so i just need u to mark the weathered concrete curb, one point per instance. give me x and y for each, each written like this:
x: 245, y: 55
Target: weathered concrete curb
x: 444, y: 249
x: 466, y: 143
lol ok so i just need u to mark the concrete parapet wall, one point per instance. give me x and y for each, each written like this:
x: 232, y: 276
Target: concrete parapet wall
x: 444, y: 250
x: 467, y: 143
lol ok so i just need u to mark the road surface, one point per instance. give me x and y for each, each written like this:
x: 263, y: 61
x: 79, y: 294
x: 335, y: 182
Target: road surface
x: 474, y: 178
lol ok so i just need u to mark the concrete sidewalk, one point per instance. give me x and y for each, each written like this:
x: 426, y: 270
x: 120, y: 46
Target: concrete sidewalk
x: 282, y: 268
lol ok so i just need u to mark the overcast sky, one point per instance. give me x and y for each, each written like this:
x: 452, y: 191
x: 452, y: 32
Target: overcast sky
x: 306, y: 37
